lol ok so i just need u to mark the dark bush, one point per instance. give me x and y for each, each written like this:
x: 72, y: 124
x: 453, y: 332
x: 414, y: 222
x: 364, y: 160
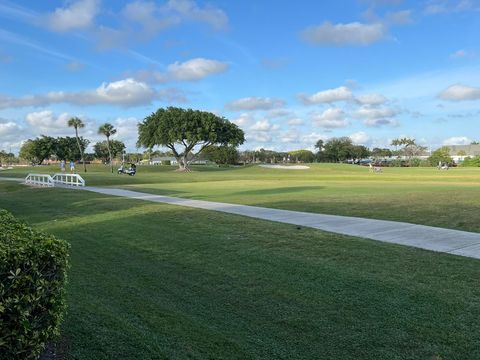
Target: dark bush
x: 32, y: 288
x: 166, y: 162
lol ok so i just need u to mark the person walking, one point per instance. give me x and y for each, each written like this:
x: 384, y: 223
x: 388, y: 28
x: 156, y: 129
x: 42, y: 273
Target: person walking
x: 72, y: 167
x: 62, y: 166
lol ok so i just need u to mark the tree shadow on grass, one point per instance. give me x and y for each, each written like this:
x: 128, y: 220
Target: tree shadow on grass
x: 279, y: 190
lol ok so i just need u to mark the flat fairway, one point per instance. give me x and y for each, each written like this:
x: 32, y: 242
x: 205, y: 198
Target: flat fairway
x: 449, y: 199
x: 152, y: 281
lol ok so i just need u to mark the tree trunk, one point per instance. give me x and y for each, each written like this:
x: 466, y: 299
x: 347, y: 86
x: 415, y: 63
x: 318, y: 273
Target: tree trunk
x: 182, y: 164
x: 81, y: 151
x: 109, y: 154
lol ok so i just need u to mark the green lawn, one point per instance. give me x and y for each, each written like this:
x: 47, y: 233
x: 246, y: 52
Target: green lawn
x: 428, y: 196
x: 152, y: 281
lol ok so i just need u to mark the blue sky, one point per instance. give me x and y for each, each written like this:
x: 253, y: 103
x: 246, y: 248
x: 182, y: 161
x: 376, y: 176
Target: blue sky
x: 288, y: 73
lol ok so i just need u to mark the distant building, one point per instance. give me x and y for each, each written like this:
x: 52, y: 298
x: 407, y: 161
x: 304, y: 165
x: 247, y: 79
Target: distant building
x: 162, y: 159
x: 173, y: 161
x: 460, y: 152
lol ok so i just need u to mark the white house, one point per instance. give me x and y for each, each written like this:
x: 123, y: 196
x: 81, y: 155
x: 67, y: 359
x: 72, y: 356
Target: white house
x: 460, y: 152
x: 160, y: 160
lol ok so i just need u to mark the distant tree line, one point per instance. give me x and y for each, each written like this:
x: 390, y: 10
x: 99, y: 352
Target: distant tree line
x: 193, y: 134
x: 43, y: 148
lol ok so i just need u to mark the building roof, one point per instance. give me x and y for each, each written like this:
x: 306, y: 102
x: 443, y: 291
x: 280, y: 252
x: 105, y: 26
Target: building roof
x: 470, y: 150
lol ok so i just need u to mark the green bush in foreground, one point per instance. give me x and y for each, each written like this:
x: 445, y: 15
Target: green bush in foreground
x: 32, y: 281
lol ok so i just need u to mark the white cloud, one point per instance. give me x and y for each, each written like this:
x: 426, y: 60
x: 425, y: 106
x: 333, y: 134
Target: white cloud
x: 380, y: 122
x: 460, y: 92
x: 313, y: 138
x: 145, y: 14
x: 45, y: 121
x: 255, y: 103
x: 295, y: 121
x: 188, y: 9
x: 341, y: 93
x: 127, y: 131
x: 196, y: 69
x: 127, y: 92
x: 360, y: 138
x: 291, y: 136
x: 401, y: 17
x: 354, y: 33
x: 244, y: 119
x: 457, y: 140
x: 263, y: 125
x: 191, y: 70
x: 377, y: 116
x: 79, y: 15
x: 435, y: 7
x: 11, y: 135
x: 279, y: 113
x: 370, y: 112
x: 261, y: 137
x: 9, y: 128
x: 330, y: 118
x: 371, y: 99
x: 142, y: 20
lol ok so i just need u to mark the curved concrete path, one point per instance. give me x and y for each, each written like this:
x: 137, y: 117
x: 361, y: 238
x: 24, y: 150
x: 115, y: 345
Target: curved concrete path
x: 425, y: 237
x: 449, y: 241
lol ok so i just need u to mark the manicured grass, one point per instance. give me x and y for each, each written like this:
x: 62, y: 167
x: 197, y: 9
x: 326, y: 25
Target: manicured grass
x: 152, y: 281
x: 428, y: 196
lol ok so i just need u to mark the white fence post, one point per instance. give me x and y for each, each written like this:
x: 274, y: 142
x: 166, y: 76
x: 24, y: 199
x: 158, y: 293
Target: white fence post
x: 68, y: 179
x: 39, y: 180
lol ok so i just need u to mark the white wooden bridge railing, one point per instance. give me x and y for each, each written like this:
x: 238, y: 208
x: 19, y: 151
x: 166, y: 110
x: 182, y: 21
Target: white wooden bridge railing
x: 39, y: 180
x: 68, y: 179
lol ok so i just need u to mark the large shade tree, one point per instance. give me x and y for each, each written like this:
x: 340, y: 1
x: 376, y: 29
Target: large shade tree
x: 108, y: 130
x: 66, y: 148
x: 338, y: 149
x: 77, y: 123
x: 38, y: 150
x: 187, y: 133
x: 101, y: 149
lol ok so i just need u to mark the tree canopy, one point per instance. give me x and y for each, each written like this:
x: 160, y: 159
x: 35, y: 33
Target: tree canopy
x: 305, y: 156
x: 101, y: 149
x: 224, y: 154
x: 440, y: 156
x: 42, y: 148
x: 338, y: 149
x: 187, y: 131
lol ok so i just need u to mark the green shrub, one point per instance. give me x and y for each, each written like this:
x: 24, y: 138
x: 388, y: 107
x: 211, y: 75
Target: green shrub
x: 166, y: 162
x: 32, y: 288
x: 397, y: 163
x: 469, y: 161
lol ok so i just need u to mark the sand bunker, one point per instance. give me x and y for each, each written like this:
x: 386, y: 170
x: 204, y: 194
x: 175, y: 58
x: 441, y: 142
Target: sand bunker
x: 286, y: 167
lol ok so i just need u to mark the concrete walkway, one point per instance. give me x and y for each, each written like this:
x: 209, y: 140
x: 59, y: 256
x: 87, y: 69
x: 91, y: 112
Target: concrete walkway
x: 12, y: 179
x: 449, y: 241
x: 425, y: 237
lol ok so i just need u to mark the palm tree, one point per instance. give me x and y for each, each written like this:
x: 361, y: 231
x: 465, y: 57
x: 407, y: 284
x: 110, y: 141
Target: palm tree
x: 77, y: 123
x: 108, y: 130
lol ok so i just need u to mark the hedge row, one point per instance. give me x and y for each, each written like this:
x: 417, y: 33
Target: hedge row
x: 33, y: 269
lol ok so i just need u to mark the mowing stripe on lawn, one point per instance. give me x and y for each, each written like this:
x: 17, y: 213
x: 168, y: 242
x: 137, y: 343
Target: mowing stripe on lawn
x: 449, y: 241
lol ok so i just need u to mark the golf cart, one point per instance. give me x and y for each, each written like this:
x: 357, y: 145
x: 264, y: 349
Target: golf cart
x: 132, y: 169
